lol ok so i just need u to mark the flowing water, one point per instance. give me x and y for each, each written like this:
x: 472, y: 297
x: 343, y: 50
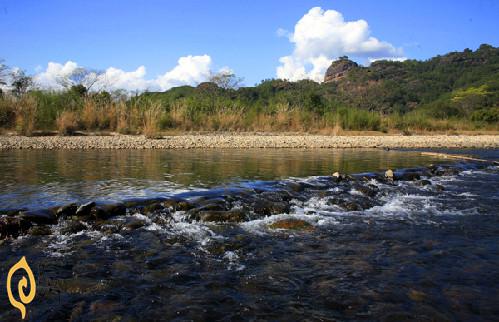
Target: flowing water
x: 365, y: 249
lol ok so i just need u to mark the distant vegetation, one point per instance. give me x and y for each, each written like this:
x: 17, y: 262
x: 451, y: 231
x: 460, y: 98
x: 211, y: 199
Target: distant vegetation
x: 457, y: 91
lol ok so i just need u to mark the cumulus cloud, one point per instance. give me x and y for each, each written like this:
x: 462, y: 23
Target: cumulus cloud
x: 55, y: 72
x: 321, y: 36
x: 189, y: 70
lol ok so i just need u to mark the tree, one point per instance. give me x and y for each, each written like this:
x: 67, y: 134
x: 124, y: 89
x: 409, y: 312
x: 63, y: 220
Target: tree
x: 21, y: 82
x: 226, y: 79
x: 81, y: 76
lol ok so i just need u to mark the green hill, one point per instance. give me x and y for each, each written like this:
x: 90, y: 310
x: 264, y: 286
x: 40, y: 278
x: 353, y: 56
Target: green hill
x: 456, y: 85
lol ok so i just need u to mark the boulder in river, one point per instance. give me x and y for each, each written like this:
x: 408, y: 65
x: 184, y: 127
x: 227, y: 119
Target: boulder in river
x: 39, y: 217
x: 266, y: 207
x: 13, y: 227
x: 67, y: 210
x: 108, y: 211
x: 235, y: 215
x: 292, y: 224
x: 85, y: 209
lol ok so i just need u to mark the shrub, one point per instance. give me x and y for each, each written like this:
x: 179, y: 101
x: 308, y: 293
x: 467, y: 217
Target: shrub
x: 67, y: 123
x: 152, y: 116
x: 25, y: 111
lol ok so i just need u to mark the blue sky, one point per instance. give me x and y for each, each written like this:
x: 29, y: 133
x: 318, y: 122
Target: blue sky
x: 241, y: 35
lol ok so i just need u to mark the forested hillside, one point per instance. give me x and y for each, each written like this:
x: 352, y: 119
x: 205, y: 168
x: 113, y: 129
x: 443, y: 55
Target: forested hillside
x: 456, y: 91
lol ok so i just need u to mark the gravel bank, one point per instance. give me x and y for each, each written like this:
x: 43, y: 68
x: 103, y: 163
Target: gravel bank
x: 246, y: 141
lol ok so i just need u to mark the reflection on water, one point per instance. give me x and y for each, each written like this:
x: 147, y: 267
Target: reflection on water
x: 46, y: 178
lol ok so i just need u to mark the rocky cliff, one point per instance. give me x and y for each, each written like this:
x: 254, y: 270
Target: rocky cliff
x: 338, y: 69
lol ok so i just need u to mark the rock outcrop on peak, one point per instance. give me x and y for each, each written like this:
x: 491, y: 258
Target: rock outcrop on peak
x: 338, y: 69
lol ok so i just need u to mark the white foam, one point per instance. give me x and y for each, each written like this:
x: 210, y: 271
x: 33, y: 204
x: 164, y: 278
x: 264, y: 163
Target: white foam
x: 233, y: 261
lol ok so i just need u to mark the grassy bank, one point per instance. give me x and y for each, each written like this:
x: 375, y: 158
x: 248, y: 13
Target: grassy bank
x: 70, y: 111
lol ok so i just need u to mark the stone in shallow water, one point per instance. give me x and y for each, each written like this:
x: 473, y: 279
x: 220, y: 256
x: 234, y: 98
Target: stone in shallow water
x: 73, y: 227
x: 85, y: 209
x: 267, y: 207
x: 108, y: 211
x: 67, y: 210
x: 13, y: 227
x: 292, y: 224
x: 351, y: 205
x: 222, y: 216
x: 135, y: 224
x: 40, y: 231
x: 369, y: 190
x: 40, y: 217
x: 424, y: 183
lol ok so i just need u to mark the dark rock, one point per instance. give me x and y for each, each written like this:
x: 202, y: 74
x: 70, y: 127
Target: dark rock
x: 73, y: 227
x: 424, y: 183
x: 13, y: 227
x: 292, y: 224
x: 212, y: 206
x: 339, y: 69
x: 351, y: 205
x: 407, y: 176
x: 222, y: 216
x: 299, y: 186
x: 439, y: 188
x: 85, y: 210
x: 445, y: 171
x: 135, y: 224
x: 40, y: 231
x: 39, y: 217
x: 369, y: 190
x: 67, y: 210
x: 266, y: 207
x: 157, y: 206
x: 108, y: 211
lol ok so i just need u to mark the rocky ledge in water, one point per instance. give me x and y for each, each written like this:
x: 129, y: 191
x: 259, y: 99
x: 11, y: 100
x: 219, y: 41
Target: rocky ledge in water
x: 228, y: 205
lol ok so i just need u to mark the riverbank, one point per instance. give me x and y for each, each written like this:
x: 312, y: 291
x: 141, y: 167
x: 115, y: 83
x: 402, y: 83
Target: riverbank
x: 247, y: 141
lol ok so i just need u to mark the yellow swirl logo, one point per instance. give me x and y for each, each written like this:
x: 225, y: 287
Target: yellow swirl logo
x: 23, y: 284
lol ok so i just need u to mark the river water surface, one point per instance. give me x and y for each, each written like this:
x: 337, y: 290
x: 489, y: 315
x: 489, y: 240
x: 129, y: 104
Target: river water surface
x: 401, y: 251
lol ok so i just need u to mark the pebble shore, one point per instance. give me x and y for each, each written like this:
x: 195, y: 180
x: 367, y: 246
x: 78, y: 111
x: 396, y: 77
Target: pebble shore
x: 247, y: 141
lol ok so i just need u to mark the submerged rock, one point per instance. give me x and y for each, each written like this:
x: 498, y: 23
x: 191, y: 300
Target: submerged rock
x: 40, y: 231
x: 108, y: 211
x: 67, y: 210
x: 360, y: 203
x: 222, y: 216
x: 13, y: 227
x: 369, y: 190
x: 135, y: 223
x: 85, y: 209
x: 292, y: 224
x: 266, y: 207
x: 40, y: 217
x: 73, y: 227
x: 424, y: 183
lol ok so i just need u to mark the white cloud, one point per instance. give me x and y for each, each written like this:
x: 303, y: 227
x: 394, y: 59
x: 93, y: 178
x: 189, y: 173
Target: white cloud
x: 322, y: 36
x: 50, y: 78
x: 189, y: 70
